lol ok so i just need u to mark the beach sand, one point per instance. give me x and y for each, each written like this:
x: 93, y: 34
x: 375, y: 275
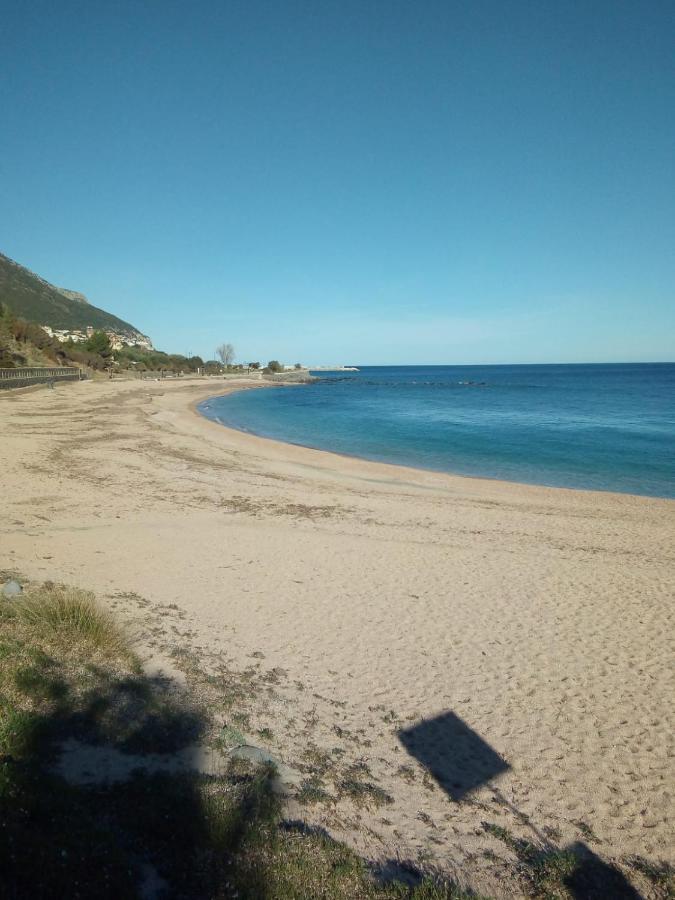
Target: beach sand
x: 485, y: 652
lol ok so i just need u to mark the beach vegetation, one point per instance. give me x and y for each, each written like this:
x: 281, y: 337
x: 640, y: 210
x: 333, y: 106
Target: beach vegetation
x: 241, y: 719
x: 69, y: 678
x: 586, y: 831
x: 661, y: 874
x: 67, y: 615
x: 312, y: 790
x: 407, y: 773
x: 275, y: 366
x: 72, y: 687
x: 552, y: 872
x: 362, y: 791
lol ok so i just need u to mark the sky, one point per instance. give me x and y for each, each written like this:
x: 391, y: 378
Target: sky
x: 354, y: 182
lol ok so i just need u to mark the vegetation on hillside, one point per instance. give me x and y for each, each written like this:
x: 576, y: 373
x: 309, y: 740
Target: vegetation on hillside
x: 24, y: 343
x: 35, y: 300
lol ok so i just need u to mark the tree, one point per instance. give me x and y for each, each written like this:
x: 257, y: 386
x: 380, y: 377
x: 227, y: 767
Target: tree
x: 99, y: 343
x: 298, y: 365
x: 275, y: 366
x: 254, y: 365
x: 225, y: 354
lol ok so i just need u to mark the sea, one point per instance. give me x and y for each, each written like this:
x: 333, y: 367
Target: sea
x: 591, y: 427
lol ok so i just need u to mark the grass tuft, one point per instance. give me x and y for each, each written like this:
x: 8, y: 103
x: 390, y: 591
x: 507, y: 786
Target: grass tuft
x: 661, y: 874
x: 312, y: 791
x: 70, y: 614
x: 364, y: 793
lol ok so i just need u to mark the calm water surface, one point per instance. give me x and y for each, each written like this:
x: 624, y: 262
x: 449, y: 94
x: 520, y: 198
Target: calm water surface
x: 600, y: 427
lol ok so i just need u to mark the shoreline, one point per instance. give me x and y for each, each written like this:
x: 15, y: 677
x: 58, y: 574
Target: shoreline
x: 399, y: 468
x: 393, y: 614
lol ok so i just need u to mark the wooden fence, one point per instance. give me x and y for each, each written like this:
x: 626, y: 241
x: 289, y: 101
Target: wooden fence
x: 23, y: 376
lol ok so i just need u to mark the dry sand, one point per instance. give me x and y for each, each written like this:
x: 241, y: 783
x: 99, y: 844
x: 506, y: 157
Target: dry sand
x: 514, y: 641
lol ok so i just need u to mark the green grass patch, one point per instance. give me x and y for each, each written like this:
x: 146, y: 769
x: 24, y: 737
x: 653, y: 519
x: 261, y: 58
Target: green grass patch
x: 64, y: 613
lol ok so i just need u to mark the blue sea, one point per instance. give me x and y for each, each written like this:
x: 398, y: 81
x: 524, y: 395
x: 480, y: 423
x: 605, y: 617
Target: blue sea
x: 599, y: 427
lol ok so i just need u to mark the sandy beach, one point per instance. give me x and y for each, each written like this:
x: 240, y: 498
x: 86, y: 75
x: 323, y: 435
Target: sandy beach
x: 490, y: 652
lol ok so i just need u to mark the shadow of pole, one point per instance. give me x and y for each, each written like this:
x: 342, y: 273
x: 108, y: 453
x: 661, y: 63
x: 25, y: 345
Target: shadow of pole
x: 461, y: 762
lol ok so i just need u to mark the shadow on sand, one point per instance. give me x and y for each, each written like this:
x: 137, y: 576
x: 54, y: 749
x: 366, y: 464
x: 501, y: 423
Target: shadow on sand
x: 595, y: 879
x: 458, y: 758
x: 461, y: 762
x: 96, y: 802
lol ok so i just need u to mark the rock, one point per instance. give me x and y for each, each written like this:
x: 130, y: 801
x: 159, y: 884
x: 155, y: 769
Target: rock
x: 11, y: 589
x: 285, y: 778
x: 254, y: 754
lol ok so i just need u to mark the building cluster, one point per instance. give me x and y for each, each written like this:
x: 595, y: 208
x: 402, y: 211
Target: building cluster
x: 117, y: 340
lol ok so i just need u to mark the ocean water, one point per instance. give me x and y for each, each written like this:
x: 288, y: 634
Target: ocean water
x: 599, y: 427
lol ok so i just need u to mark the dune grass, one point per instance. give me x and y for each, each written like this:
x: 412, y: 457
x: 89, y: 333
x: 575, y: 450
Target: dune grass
x: 60, y: 613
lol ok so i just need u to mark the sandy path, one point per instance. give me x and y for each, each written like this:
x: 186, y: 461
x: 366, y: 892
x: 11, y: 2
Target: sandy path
x: 541, y: 620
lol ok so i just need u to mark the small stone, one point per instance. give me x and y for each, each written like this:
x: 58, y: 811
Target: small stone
x: 254, y: 754
x: 11, y: 589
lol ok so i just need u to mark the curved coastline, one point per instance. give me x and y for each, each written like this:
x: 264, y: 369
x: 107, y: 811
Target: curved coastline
x: 412, y: 472
x: 537, y: 617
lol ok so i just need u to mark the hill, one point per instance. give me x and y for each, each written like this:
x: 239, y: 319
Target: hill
x: 36, y: 300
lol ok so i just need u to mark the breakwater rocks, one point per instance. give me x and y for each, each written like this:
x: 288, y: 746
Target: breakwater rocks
x: 299, y: 377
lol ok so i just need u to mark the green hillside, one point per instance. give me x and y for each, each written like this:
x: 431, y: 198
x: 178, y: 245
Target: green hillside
x: 36, y: 300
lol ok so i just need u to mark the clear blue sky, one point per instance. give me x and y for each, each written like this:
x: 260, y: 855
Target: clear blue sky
x: 350, y: 181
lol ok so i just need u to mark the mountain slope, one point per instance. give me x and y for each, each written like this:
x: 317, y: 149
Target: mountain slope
x: 36, y: 300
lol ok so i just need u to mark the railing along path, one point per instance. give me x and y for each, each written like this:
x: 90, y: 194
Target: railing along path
x: 23, y: 376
